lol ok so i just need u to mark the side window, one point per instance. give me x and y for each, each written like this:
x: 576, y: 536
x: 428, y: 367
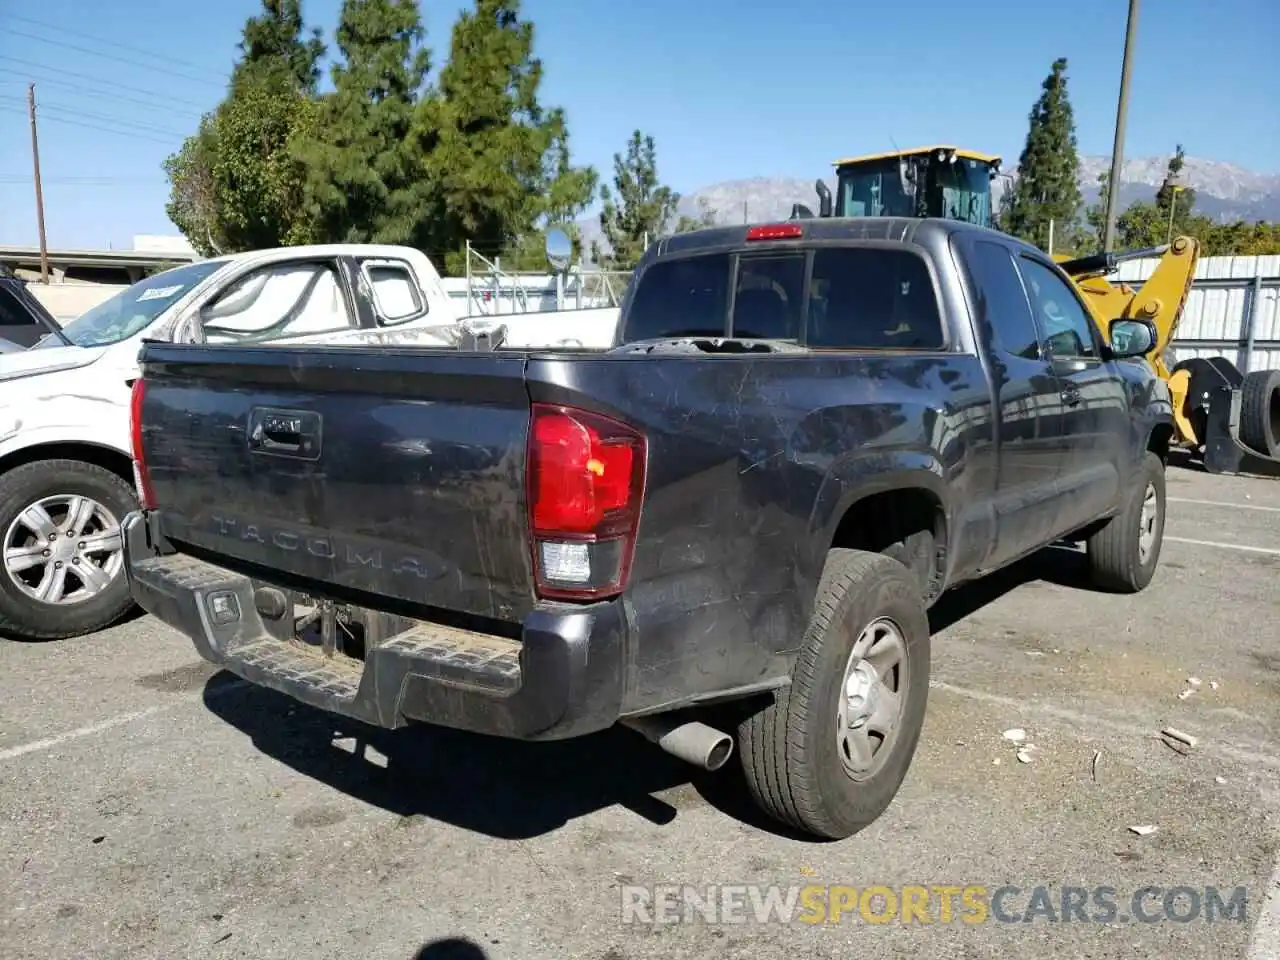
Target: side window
x: 1003, y: 301
x: 17, y: 325
x: 868, y: 298
x: 282, y: 300
x: 768, y: 300
x: 1067, y: 327
x: 396, y: 296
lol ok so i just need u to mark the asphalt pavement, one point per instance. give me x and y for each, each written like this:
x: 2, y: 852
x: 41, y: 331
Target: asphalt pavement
x: 151, y: 806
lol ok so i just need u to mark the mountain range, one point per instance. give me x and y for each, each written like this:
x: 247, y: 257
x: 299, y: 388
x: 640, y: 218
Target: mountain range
x: 1223, y: 192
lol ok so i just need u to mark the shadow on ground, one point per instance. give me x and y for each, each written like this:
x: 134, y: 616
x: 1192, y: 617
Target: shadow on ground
x: 451, y: 948
x: 516, y: 790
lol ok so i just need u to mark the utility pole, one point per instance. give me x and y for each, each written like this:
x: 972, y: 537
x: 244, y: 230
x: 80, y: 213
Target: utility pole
x: 35, y: 160
x: 1117, y: 149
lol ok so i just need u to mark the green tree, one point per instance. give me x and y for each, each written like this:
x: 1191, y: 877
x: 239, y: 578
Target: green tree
x: 498, y: 161
x: 1047, y: 188
x: 638, y: 207
x: 235, y: 184
x: 363, y: 178
x: 193, y: 192
x: 273, y: 48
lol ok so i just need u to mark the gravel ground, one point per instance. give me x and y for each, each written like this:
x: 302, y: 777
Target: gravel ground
x: 152, y: 807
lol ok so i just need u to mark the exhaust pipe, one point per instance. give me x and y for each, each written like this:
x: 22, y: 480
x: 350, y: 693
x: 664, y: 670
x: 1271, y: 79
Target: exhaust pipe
x: 691, y: 741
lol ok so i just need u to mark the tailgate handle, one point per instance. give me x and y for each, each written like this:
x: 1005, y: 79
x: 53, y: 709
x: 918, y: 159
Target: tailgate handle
x: 286, y: 433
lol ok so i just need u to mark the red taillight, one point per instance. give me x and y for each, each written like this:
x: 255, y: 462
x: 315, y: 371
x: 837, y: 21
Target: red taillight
x: 776, y: 231
x: 141, y: 477
x: 586, y: 483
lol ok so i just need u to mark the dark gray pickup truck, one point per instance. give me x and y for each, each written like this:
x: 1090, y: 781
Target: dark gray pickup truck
x: 805, y: 434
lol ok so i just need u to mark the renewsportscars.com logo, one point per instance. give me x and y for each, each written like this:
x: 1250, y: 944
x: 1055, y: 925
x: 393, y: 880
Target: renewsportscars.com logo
x: 921, y: 904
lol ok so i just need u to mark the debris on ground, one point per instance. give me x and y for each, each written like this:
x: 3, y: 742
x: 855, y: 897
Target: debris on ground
x: 1028, y: 753
x: 1219, y: 780
x: 1213, y: 684
x: 1016, y: 734
x: 1093, y: 768
x: 1194, y: 681
x: 1145, y: 830
x: 1176, y: 735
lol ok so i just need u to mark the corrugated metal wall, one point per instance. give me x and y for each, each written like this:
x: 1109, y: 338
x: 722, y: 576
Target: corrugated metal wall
x: 1233, y: 309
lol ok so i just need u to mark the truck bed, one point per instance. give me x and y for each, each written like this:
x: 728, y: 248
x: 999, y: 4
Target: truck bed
x: 407, y: 493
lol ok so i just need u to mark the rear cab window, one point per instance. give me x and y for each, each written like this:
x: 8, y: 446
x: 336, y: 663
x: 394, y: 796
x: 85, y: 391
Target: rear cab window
x: 843, y: 297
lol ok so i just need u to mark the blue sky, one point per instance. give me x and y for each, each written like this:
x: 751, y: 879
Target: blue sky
x: 729, y: 88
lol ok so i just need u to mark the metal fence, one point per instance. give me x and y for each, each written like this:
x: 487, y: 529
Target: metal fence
x: 494, y: 291
x: 1233, y: 309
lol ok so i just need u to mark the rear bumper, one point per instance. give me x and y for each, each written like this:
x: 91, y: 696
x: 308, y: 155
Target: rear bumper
x: 564, y: 677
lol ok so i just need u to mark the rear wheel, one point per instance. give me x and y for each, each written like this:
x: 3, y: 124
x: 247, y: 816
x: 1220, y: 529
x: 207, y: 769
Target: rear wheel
x: 829, y: 754
x: 63, y: 556
x: 1124, y: 553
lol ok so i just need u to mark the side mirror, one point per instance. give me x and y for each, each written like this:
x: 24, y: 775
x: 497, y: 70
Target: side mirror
x: 559, y: 249
x: 824, y: 198
x: 1131, y: 338
x: 800, y: 212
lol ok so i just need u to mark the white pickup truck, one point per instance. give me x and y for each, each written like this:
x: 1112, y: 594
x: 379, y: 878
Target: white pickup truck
x: 66, y: 474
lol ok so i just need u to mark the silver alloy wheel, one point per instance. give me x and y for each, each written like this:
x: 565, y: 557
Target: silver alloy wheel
x: 1147, y: 524
x: 63, y: 549
x: 871, y: 698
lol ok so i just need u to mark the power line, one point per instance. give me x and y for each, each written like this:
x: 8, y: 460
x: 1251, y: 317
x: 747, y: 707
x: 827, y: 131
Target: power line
x: 90, y: 181
x: 110, y: 43
x: 98, y: 80
x: 77, y: 113
x: 167, y: 141
x: 79, y: 88
x: 109, y: 56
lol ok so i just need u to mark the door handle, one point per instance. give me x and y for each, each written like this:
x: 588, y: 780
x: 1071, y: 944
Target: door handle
x: 285, y: 433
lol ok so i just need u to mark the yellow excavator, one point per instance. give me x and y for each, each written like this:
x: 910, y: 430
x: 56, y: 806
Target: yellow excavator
x: 1233, y: 420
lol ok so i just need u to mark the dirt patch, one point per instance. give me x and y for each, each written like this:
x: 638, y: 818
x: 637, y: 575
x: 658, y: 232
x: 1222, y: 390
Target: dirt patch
x: 180, y: 679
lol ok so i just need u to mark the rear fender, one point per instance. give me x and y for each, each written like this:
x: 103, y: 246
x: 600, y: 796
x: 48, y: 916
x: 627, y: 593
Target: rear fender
x: 861, y: 475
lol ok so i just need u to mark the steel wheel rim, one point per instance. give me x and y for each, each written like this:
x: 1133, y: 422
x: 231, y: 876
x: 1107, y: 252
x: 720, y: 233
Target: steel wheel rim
x: 63, y: 549
x: 1147, y: 524
x: 871, y: 698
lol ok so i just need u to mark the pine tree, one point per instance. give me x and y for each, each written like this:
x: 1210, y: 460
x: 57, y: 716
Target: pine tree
x: 272, y: 48
x: 638, y: 207
x: 363, y: 179
x: 1047, y: 186
x: 497, y: 160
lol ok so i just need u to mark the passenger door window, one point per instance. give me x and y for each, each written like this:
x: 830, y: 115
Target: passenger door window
x: 397, y: 297
x: 1002, y: 301
x: 1067, y: 327
x: 278, y: 301
x: 869, y: 298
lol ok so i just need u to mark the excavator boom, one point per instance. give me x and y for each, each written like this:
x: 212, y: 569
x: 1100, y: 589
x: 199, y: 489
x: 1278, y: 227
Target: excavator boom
x: 1160, y: 300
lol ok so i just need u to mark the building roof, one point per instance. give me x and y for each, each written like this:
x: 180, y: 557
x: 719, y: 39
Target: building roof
x: 30, y: 257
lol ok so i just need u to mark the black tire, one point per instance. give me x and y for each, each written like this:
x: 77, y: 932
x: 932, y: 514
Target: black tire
x: 1115, y: 555
x: 1260, y: 412
x: 792, y: 763
x: 26, y: 618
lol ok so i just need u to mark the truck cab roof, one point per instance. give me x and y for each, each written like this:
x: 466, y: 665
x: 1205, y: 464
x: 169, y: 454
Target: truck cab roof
x: 820, y: 230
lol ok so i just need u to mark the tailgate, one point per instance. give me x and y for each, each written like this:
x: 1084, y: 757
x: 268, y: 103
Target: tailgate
x: 395, y: 474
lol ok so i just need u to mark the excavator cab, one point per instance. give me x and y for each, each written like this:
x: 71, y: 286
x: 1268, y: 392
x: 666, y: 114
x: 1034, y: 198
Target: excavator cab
x: 936, y: 181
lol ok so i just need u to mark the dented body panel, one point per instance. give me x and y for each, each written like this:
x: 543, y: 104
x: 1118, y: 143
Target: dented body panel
x: 409, y: 497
